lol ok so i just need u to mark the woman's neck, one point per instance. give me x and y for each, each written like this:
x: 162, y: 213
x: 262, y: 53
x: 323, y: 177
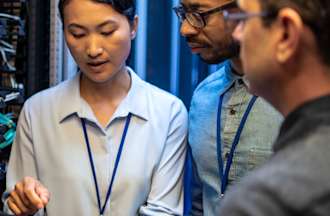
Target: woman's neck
x: 104, y: 98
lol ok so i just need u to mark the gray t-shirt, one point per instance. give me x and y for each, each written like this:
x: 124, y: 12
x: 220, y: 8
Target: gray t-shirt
x: 296, y: 180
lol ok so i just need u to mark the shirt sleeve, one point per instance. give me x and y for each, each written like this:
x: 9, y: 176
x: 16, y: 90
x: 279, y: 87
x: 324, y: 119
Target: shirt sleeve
x: 22, y: 160
x: 166, y: 193
x: 196, y: 193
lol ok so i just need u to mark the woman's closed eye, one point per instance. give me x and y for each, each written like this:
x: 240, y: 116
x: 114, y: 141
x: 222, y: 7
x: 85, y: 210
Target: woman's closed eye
x: 77, y: 35
x: 107, y: 33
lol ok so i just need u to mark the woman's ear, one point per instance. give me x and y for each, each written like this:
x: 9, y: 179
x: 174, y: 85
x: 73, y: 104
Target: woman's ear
x: 134, y: 26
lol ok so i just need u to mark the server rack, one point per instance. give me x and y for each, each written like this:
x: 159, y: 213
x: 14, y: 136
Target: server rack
x: 24, y: 67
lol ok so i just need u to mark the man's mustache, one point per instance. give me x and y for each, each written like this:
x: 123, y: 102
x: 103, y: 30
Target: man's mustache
x: 195, y: 41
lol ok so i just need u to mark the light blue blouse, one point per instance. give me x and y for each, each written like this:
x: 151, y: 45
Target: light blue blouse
x: 50, y: 146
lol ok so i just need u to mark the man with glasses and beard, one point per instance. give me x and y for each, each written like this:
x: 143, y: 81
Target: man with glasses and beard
x: 294, y: 77
x: 230, y: 130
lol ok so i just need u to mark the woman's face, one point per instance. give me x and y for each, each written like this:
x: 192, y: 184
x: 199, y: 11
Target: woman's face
x: 98, y: 37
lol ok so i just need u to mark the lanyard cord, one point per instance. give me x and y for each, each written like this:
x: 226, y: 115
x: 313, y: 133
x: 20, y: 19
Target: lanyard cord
x: 90, y: 155
x: 224, y: 175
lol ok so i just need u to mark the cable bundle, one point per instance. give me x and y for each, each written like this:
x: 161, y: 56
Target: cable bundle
x: 7, y: 130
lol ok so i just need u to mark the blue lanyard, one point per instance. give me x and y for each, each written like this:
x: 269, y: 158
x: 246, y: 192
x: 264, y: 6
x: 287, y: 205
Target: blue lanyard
x: 224, y: 175
x: 102, y: 210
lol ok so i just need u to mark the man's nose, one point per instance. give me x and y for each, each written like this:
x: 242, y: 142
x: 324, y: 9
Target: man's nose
x: 187, y: 29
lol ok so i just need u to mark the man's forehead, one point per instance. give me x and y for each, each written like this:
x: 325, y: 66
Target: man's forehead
x: 200, y: 4
x: 248, y: 4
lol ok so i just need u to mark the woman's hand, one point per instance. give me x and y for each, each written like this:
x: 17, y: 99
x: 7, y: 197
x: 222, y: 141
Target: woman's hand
x: 28, y: 196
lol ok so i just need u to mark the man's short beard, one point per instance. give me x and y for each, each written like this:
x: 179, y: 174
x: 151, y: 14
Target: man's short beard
x: 231, y: 51
x: 234, y: 49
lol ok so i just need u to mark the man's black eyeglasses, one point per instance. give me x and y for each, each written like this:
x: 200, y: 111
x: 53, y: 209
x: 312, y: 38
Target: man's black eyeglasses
x: 197, y: 19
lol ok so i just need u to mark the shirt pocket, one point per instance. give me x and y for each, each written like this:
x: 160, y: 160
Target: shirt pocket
x: 258, y: 155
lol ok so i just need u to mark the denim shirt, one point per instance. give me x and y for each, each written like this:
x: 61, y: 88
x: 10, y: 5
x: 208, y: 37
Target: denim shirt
x: 255, y: 143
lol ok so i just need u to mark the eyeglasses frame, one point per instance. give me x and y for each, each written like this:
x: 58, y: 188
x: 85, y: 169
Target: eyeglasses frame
x: 181, y: 13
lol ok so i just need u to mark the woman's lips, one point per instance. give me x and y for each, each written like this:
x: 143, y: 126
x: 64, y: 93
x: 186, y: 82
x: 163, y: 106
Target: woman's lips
x: 96, y: 65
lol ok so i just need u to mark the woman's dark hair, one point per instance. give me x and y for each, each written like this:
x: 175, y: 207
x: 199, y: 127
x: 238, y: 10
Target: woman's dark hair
x: 125, y: 7
x: 315, y: 14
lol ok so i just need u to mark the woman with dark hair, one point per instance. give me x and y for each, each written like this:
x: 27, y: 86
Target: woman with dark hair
x: 104, y: 142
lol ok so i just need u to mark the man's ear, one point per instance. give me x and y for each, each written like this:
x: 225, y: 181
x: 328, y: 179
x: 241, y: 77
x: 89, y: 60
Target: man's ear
x: 292, y: 26
x: 134, y: 27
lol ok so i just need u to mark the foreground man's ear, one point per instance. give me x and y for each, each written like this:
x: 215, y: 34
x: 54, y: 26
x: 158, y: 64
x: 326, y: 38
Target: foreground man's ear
x: 291, y: 28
